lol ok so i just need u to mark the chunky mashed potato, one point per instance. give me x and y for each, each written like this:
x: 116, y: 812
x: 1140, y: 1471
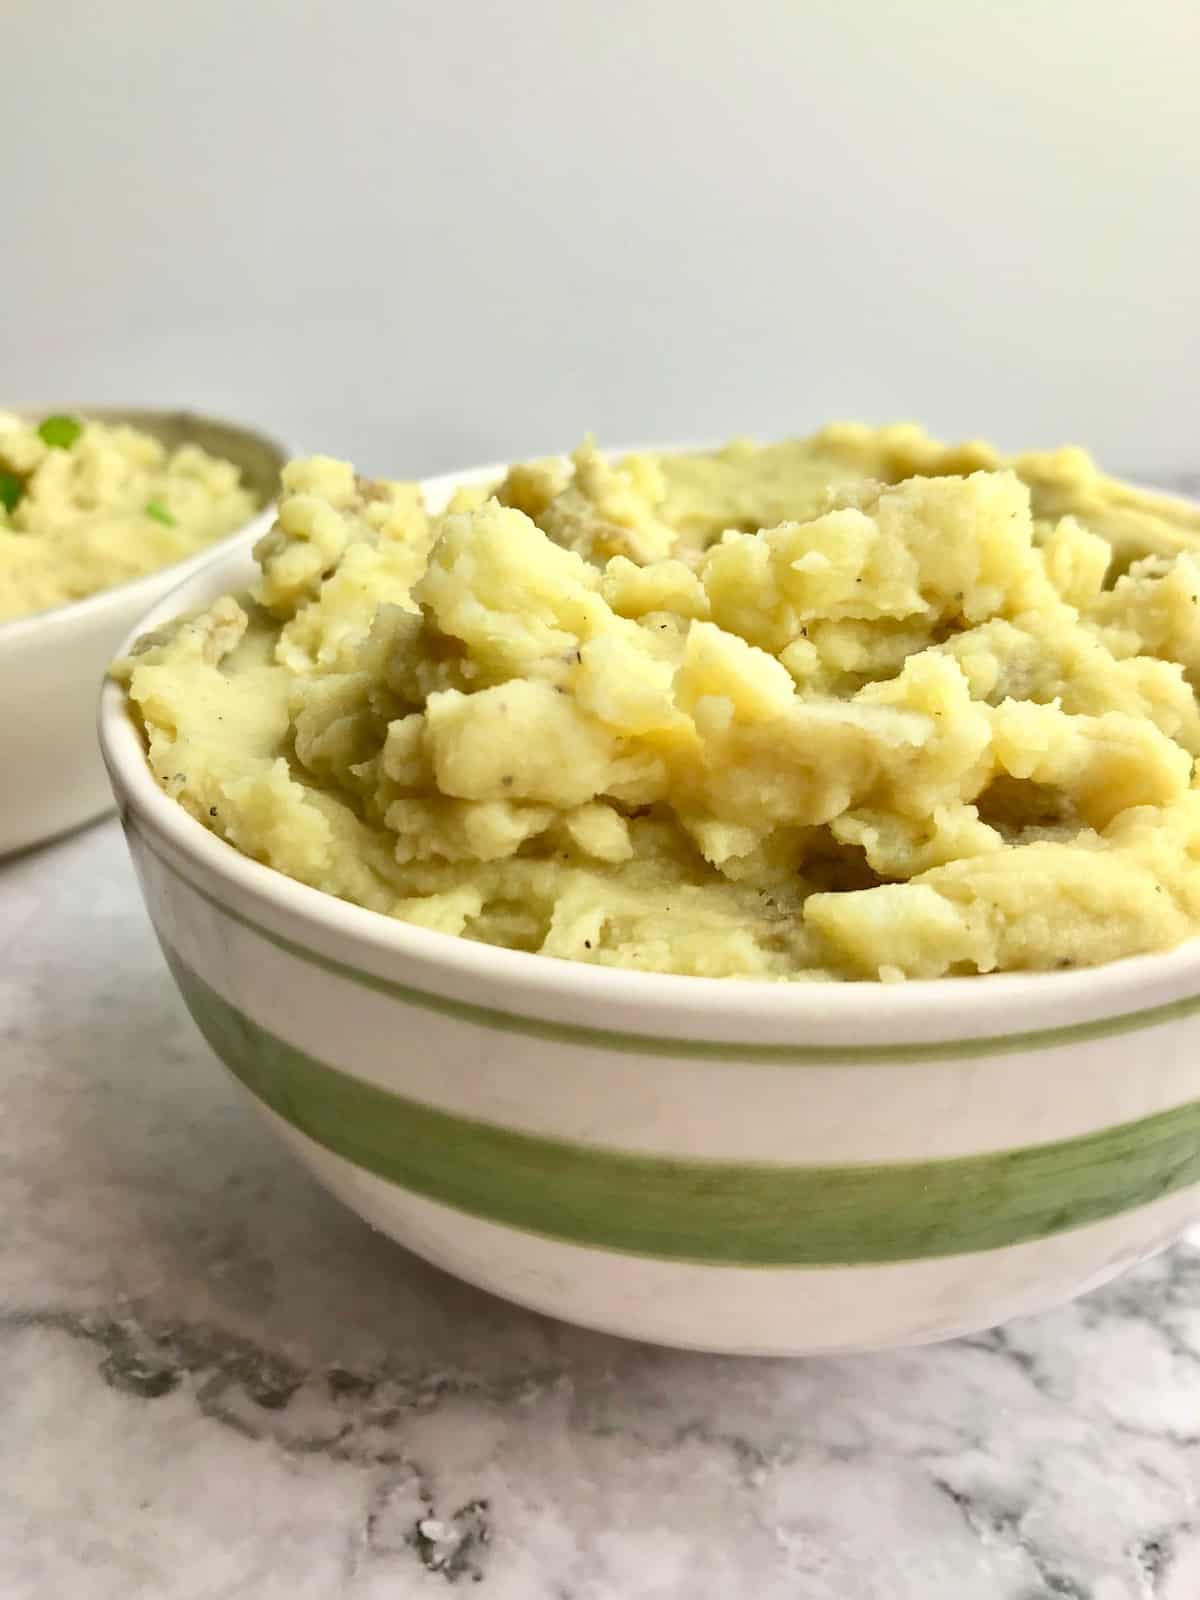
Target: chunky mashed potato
x: 858, y: 706
x: 84, y: 506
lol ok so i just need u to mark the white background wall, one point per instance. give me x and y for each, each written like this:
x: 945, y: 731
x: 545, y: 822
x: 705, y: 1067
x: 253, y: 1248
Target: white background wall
x: 425, y: 233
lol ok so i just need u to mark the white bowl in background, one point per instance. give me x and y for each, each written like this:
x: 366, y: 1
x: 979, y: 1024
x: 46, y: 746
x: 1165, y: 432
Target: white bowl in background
x: 52, y: 662
x: 712, y: 1163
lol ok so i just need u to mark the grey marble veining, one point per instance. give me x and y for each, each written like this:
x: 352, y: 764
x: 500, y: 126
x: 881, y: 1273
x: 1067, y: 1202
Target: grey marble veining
x: 216, y: 1382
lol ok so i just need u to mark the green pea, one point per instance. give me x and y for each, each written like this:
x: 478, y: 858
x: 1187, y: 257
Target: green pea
x: 11, y: 489
x: 60, y: 433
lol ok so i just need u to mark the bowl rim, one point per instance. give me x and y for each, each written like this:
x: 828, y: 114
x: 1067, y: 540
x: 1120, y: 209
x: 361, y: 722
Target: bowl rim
x: 914, y: 1011
x: 148, y: 584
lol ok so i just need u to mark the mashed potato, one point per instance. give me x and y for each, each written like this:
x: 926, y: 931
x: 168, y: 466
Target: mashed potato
x: 858, y: 706
x: 84, y: 506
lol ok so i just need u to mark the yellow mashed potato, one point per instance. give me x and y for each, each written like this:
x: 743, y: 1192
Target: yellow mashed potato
x: 857, y: 706
x: 84, y: 506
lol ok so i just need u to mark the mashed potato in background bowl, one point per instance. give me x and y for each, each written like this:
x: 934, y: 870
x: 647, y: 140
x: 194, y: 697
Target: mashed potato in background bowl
x: 86, y: 505
x: 728, y: 1163
x: 101, y: 512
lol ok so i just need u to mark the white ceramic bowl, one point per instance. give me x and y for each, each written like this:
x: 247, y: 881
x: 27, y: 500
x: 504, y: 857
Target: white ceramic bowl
x: 725, y: 1165
x: 51, y: 663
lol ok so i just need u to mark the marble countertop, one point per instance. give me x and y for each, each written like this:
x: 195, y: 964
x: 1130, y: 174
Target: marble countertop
x: 214, y: 1381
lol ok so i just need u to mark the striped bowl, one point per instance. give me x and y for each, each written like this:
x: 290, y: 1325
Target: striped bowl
x: 721, y: 1165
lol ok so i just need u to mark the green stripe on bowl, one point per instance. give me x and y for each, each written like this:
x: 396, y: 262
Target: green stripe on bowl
x: 723, y: 1213
x: 783, y: 1055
